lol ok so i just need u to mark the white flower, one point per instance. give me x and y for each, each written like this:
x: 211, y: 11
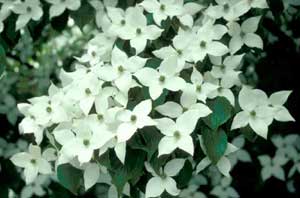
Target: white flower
x: 33, y: 162
x: 272, y: 167
x: 37, y: 187
x: 105, y: 42
x: 163, y: 181
x: 85, y: 91
x: 223, y: 164
x: 134, y: 120
x: 29, y: 125
x: 174, y: 110
x: 6, y: 8
x: 192, y: 192
x: 102, y: 19
x: 222, y: 91
x: 199, y: 88
x: 28, y: 9
x: 286, y: 145
x: 189, y: 9
x: 162, y: 9
x: 256, y: 111
x: 59, y: 6
x: 132, y: 25
x: 177, y: 134
x: 92, y: 56
x: 241, y: 154
x: 204, y: 42
x: 121, y: 70
x: 277, y: 100
x: 80, y: 140
x: 180, y: 49
x: 246, y: 5
x: 244, y: 34
x: 226, y: 70
x: 91, y: 175
x: 224, y: 190
x: 228, y: 9
x: 166, y: 77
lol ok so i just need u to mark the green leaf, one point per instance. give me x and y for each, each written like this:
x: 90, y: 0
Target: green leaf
x: 84, y: 15
x: 60, y: 22
x: 221, y: 112
x: 185, y: 175
x: 69, y: 177
x: 215, y: 142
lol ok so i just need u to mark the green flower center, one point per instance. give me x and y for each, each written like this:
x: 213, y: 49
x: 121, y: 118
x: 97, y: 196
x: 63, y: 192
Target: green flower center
x: 226, y: 7
x: 28, y: 9
x: 33, y: 161
x: 120, y: 69
x: 162, y: 79
x: 198, y: 88
x: 138, y: 31
x: 177, y: 135
x: 100, y: 117
x: 253, y: 113
x: 133, y: 118
x: 86, y: 142
x: 203, y: 44
x: 49, y: 109
x: 88, y: 91
x: 123, y: 22
x: 162, y: 7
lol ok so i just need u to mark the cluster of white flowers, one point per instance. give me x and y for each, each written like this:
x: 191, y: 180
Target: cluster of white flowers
x: 89, y: 113
x: 287, y: 150
x: 33, y: 10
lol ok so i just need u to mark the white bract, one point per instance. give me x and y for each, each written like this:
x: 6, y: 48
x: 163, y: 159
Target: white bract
x: 134, y: 120
x: 244, y: 34
x: 198, y: 89
x: 27, y: 10
x: 33, y: 163
x: 224, y: 190
x: 121, y: 70
x: 256, y: 111
x: 205, y: 41
x: 59, y: 6
x: 272, y: 167
x: 162, y: 9
x: 177, y: 134
x: 277, y: 101
x: 163, y: 181
x: 165, y: 77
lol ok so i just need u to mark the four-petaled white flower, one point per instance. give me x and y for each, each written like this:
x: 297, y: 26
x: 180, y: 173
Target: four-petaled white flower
x: 272, y: 167
x: 166, y: 77
x: 27, y: 10
x: 227, y: 9
x: 134, y: 120
x: 163, y: 181
x: 33, y: 162
x: 177, y: 134
x: 198, y: 89
x: 224, y: 190
x: 276, y: 101
x: 121, y: 69
x: 244, y: 34
x: 205, y: 41
x: 59, y: 6
x: 226, y: 70
x: 162, y: 9
x: 256, y: 111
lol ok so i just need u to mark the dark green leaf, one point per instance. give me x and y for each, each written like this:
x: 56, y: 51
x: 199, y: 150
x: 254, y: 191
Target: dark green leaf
x: 221, y: 112
x: 69, y: 177
x: 60, y: 22
x: 215, y: 142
